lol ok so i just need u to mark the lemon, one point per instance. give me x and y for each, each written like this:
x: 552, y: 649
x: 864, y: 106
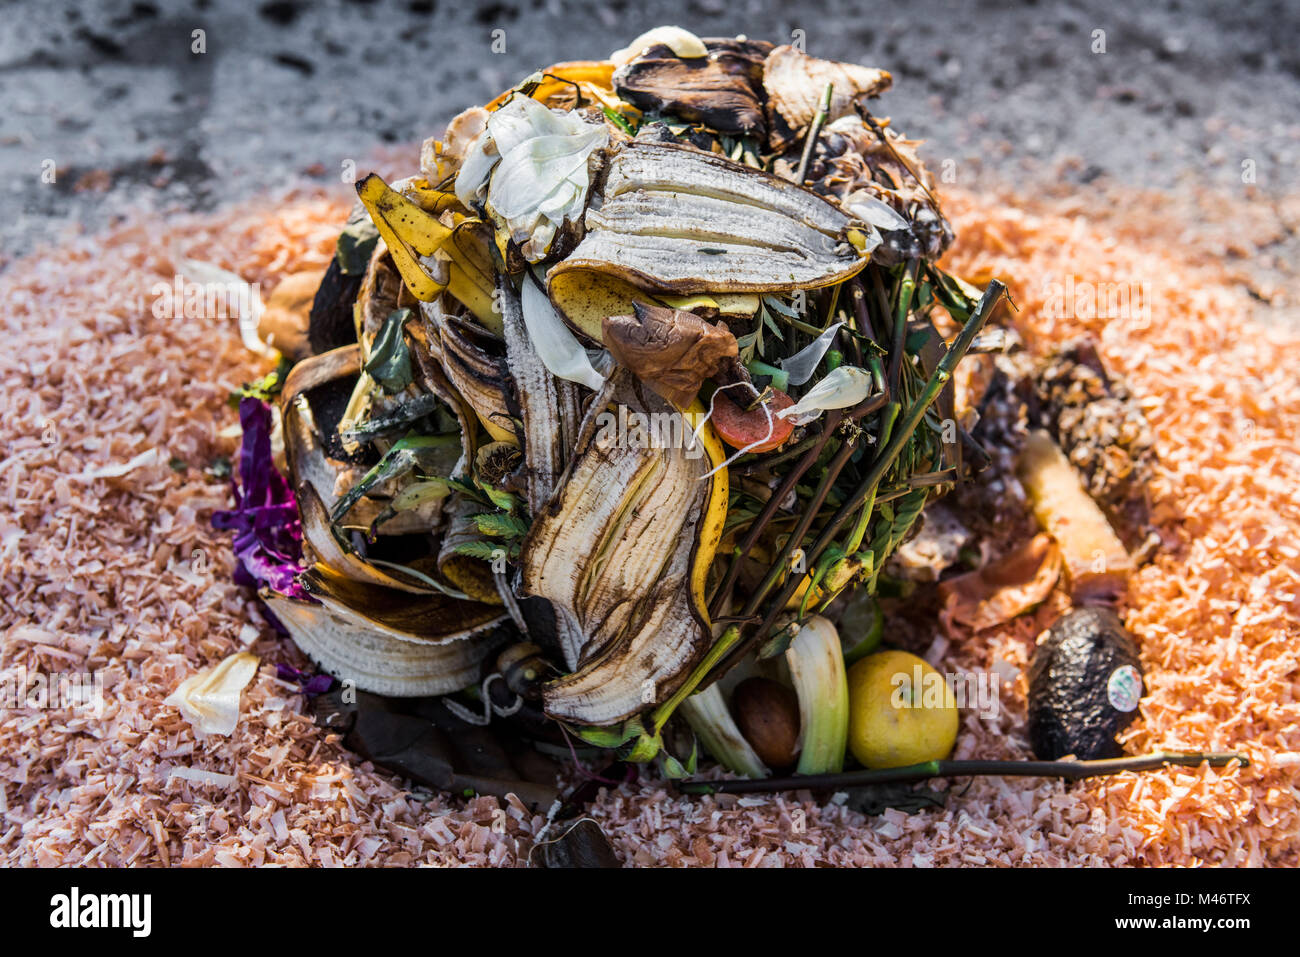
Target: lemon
x: 901, y: 711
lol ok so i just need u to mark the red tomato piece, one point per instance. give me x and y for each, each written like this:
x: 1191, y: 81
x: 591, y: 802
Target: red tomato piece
x: 739, y: 428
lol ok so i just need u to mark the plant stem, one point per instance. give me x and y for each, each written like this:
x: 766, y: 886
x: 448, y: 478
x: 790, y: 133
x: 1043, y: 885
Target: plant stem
x: 764, y: 518
x: 761, y: 463
x: 907, y: 289
x: 888, y: 455
x: 860, y: 311
x: 814, y: 131
x: 1070, y: 770
x: 720, y: 648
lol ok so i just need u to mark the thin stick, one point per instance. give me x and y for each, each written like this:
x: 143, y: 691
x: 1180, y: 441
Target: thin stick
x: 764, y: 518
x: 770, y: 508
x: 1070, y: 770
x: 813, y: 132
x: 884, y: 461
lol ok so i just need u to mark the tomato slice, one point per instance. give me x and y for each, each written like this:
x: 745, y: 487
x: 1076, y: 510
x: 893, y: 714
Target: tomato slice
x: 739, y: 428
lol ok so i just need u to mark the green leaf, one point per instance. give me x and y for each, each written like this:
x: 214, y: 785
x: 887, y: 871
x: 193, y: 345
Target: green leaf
x: 618, y: 120
x: 502, y: 500
x: 611, y: 737
x: 771, y: 324
x: 468, y: 489
x: 390, y: 359
x: 354, y: 247
x: 406, y: 455
x: 487, y: 551
x: 265, y: 388
x: 747, y: 345
x: 777, y: 305
x: 407, y: 414
x: 676, y: 770
x: 641, y: 749
x: 501, y: 525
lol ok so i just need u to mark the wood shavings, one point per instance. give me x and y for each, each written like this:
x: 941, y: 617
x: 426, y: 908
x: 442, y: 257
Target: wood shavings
x: 1216, y: 614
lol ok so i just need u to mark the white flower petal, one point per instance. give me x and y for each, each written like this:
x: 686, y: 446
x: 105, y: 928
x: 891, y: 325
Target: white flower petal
x: 556, y: 345
x: 875, y: 211
x: 532, y: 171
x: 480, y: 159
x: 803, y: 363
x: 844, y: 387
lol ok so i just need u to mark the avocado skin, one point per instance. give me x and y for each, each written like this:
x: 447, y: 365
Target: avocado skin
x: 1069, y: 708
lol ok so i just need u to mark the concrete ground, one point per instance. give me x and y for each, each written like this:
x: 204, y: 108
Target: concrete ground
x: 117, y: 103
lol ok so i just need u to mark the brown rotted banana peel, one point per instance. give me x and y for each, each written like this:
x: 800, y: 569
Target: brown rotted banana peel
x: 674, y: 220
x: 479, y: 376
x: 622, y: 551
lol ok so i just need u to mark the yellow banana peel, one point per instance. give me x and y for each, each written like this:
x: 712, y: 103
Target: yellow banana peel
x: 411, y: 231
x: 715, y: 510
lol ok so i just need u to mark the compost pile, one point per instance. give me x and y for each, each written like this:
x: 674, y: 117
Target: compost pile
x: 634, y: 390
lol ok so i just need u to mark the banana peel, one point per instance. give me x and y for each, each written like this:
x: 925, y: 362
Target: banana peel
x: 680, y: 221
x: 480, y: 376
x: 585, y: 297
x: 410, y: 232
x: 389, y: 642
x: 623, y: 516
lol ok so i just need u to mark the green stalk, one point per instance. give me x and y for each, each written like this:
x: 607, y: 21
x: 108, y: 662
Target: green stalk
x: 720, y: 648
x: 884, y: 461
x: 823, y: 112
x: 1069, y: 770
x: 906, y: 290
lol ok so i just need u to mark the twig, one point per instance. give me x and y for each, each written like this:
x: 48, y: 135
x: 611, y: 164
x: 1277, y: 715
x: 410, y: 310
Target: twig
x: 1070, y: 770
x: 876, y: 128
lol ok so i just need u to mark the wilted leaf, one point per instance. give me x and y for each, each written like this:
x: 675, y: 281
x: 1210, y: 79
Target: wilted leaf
x: 671, y: 351
x: 390, y: 359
